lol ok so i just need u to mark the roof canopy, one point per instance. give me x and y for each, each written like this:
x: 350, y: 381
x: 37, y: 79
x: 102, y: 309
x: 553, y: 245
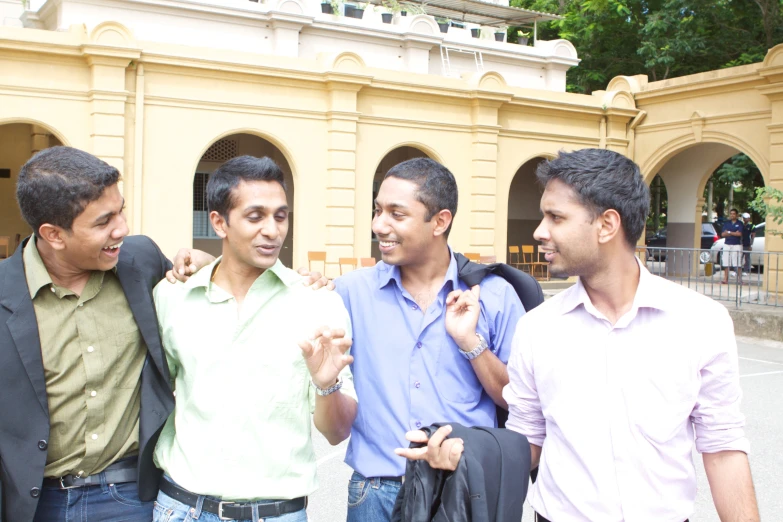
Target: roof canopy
x: 482, y: 13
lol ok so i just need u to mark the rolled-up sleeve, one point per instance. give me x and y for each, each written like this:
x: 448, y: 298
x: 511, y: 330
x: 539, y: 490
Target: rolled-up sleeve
x: 524, y: 407
x: 717, y: 419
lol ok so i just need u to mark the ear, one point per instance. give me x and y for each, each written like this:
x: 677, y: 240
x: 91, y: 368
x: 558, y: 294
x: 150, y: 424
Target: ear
x: 611, y: 226
x: 442, y: 221
x: 219, y: 224
x: 53, y: 235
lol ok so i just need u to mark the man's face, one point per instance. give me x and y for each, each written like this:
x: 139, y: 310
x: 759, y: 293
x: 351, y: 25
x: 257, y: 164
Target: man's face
x: 733, y: 215
x: 568, y: 232
x: 404, y: 237
x: 93, y: 243
x: 745, y: 220
x: 257, y: 224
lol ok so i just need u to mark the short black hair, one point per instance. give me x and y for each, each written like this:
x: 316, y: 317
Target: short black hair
x: 437, y: 187
x: 57, y: 184
x: 734, y: 210
x: 603, y: 180
x: 222, y: 182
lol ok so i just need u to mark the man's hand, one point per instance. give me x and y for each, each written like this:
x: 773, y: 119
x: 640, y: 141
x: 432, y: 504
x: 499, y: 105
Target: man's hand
x: 187, y: 262
x: 325, y: 355
x: 315, y: 280
x: 462, y: 313
x: 440, y: 453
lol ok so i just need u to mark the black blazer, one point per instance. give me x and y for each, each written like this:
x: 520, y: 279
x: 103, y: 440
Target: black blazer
x: 24, y: 409
x: 489, y: 484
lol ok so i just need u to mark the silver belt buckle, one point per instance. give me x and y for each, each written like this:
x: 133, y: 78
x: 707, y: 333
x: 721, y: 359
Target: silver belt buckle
x: 220, y: 510
x: 63, y: 486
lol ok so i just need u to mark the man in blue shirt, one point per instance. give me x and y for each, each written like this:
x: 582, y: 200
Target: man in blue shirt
x: 419, y: 356
x: 732, y: 247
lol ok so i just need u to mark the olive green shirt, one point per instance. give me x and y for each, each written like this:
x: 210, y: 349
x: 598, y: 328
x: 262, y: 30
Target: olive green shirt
x: 92, y: 356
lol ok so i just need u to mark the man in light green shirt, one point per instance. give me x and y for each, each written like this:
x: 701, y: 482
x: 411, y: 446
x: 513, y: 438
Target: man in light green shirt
x: 252, y: 353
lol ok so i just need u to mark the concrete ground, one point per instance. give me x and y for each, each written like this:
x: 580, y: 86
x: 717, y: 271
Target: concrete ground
x: 761, y: 371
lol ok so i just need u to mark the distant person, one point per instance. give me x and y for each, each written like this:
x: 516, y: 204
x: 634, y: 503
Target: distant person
x: 732, y: 246
x: 609, y: 380
x: 748, y: 235
x: 252, y: 353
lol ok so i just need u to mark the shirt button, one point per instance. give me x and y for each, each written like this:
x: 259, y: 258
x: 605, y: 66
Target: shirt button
x: 42, y: 445
x: 94, y: 436
x: 90, y: 349
x: 81, y: 304
x: 53, y: 291
x: 35, y: 492
x: 417, y: 384
x: 414, y: 307
x: 418, y: 345
x: 93, y: 393
x: 418, y: 424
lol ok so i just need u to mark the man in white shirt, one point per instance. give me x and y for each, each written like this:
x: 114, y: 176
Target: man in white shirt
x: 610, y: 380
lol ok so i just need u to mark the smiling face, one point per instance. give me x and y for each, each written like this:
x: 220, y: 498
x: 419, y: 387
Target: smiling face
x: 404, y: 234
x: 94, y: 241
x: 257, y: 223
x: 568, y: 232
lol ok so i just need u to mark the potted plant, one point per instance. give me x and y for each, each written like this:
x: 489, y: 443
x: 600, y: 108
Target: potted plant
x: 458, y: 25
x: 522, y: 37
x: 331, y: 7
x: 358, y: 11
x: 475, y: 32
x: 443, y: 23
x: 386, y: 16
x: 499, y: 35
x: 414, y: 9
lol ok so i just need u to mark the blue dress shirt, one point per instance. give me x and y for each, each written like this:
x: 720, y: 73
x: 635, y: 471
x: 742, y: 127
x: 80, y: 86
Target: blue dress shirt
x: 408, y: 372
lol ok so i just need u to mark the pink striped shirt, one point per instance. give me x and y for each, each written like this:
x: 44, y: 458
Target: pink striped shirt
x: 616, y: 407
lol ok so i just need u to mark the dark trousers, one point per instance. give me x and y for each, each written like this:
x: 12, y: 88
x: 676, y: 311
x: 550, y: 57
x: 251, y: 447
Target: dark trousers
x: 99, y: 503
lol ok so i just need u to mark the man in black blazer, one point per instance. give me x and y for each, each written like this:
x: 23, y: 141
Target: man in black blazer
x: 85, y: 382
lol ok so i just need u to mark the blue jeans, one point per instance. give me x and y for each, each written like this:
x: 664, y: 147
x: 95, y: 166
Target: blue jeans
x: 371, y: 499
x: 99, y: 503
x: 169, y: 510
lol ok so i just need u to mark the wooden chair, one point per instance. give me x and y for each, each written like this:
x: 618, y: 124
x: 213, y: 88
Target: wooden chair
x: 513, y: 256
x: 5, y: 241
x: 486, y: 260
x: 541, y: 263
x: 367, y: 261
x: 526, y: 264
x: 472, y: 256
x: 348, y: 261
x: 316, y: 256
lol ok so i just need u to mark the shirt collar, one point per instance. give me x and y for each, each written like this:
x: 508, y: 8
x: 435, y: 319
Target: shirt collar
x: 649, y: 294
x: 203, y: 278
x: 35, y: 270
x: 392, y: 272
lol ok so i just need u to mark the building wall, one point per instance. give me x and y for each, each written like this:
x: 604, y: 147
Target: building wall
x: 15, y: 146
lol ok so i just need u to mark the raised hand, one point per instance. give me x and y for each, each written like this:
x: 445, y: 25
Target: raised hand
x: 440, y: 453
x: 462, y: 313
x: 315, y: 280
x: 325, y: 355
x: 187, y: 262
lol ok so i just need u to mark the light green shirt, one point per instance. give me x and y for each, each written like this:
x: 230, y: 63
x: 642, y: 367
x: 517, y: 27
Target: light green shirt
x: 241, y: 426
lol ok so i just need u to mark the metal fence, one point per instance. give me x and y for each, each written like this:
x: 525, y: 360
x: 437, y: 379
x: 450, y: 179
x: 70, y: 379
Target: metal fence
x: 721, y: 276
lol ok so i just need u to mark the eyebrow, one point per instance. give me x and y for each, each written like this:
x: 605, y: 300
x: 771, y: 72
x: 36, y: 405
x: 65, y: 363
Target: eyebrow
x: 263, y: 208
x: 392, y: 205
x: 107, y: 215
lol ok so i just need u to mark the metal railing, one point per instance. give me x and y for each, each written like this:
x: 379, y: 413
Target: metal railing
x: 705, y: 271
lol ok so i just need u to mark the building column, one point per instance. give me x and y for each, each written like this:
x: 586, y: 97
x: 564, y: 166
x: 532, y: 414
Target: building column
x: 342, y: 119
x: 483, y: 178
x: 40, y: 139
x: 108, y: 97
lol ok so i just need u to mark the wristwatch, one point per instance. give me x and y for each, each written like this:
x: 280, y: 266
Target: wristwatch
x: 475, y: 352
x: 330, y: 390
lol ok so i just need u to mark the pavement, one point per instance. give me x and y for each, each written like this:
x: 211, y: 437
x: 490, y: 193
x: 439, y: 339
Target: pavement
x: 761, y: 374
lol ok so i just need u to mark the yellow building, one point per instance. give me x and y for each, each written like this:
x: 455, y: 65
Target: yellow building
x: 166, y: 91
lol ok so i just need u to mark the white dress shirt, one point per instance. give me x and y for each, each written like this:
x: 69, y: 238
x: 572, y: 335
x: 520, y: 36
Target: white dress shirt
x: 616, y: 407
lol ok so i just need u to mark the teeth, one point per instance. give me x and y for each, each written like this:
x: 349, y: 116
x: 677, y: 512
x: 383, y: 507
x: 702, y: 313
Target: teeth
x: 388, y: 243
x: 115, y: 247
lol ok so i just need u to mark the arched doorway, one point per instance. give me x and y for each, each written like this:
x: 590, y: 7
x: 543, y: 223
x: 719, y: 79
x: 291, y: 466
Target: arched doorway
x: 524, y: 199
x: 391, y: 159
x: 222, y: 150
x: 18, y: 143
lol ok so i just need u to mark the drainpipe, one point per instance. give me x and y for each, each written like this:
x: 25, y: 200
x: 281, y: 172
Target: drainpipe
x: 138, y: 151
